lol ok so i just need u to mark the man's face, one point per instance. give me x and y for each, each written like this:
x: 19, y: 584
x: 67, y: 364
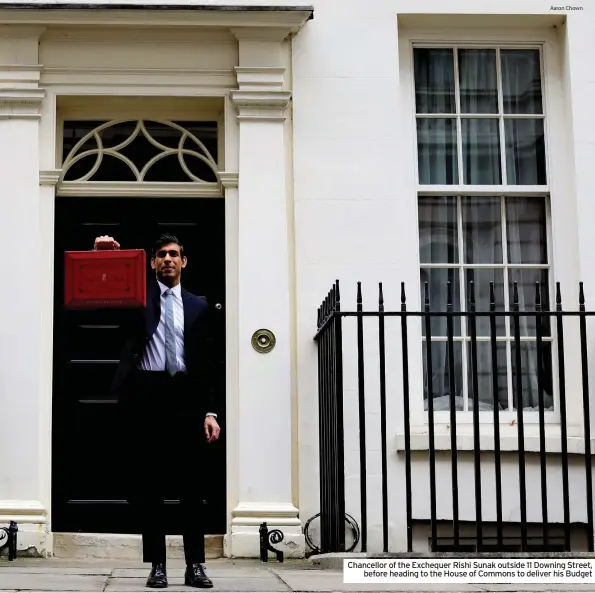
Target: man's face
x: 168, y: 264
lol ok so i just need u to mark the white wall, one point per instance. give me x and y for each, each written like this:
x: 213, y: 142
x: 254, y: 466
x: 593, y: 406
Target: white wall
x: 356, y: 219
x: 354, y: 206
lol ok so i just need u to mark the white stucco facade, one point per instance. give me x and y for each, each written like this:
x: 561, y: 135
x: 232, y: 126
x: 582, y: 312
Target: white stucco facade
x: 317, y: 119
x: 356, y: 220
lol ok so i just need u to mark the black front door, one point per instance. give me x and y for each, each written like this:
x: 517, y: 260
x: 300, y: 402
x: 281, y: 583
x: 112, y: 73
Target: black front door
x: 87, y: 495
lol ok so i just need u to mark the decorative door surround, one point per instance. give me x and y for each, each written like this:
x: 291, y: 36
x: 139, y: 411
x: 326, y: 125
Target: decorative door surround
x: 260, y: 477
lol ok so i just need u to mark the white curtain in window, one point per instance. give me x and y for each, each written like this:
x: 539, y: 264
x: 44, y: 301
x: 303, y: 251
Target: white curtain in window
x: 482, y: 236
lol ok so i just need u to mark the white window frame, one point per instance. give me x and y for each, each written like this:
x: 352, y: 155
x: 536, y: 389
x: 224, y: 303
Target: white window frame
x: 561, y: 220
x: 508, y: 336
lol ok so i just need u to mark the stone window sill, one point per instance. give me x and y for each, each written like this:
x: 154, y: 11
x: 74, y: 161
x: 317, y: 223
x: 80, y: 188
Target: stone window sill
x: 508, y: 442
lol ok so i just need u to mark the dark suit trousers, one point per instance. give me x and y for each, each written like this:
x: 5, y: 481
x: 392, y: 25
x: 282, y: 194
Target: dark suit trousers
x: 166, y: 446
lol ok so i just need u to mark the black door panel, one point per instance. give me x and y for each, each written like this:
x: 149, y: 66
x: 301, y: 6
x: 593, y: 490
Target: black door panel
x: 87, y: 494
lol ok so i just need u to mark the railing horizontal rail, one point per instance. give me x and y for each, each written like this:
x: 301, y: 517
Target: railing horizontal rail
x: 488, y: 314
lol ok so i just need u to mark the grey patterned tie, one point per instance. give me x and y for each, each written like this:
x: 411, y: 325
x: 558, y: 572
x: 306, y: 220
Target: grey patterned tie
x: 171, y: 362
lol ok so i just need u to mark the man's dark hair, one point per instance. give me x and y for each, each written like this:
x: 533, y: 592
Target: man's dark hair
x: 164, y: 240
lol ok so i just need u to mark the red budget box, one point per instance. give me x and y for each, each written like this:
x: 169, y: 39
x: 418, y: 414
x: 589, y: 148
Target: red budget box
x: 105, y: 279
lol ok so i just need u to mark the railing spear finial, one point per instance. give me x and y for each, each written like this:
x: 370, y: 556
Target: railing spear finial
x: 537, y: 296
x: 472, y: 295
x: 359, y: 296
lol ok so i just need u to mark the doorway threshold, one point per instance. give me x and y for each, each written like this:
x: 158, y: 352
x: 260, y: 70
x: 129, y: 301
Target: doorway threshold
x: 118, y: 546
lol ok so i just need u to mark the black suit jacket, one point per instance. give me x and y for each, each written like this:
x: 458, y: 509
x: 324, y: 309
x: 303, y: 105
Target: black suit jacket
x: 140, y: 327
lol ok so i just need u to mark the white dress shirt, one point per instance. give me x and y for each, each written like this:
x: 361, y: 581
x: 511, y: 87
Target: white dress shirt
x: 154, y: 357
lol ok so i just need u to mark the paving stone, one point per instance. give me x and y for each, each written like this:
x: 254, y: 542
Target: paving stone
x: 51, y: 582
x: 242, y: 575
x: 98, y: 570
x: 259, y: 584
x: 63, y: 563
x: 213, y: 571
x: 333, y: 581
x: 125, y: 585
x: 256, y: 584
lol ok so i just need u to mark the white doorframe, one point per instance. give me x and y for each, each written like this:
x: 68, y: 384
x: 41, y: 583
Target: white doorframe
x: 51, y: 131
x: 88, y: 62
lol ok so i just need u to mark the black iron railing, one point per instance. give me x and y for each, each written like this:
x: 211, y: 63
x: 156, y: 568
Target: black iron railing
x: 330, y: 377
x: 547, y: 338
x: 8, y: 539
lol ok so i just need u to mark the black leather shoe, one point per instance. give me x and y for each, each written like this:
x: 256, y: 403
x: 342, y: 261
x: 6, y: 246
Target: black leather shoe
x: 195, y: 576
x: 158, y: 577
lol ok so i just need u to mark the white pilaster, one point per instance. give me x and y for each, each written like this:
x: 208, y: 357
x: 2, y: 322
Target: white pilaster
x: 264, y: 420
x: 21, y: 456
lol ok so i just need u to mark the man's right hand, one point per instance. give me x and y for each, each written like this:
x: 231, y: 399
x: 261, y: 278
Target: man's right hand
x: 105, y: 242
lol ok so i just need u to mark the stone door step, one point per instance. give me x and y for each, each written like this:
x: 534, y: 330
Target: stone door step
x: 82, y: 546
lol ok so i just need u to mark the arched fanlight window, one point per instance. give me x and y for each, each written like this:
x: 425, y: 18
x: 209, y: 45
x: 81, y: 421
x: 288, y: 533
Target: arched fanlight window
x: 140, y: 151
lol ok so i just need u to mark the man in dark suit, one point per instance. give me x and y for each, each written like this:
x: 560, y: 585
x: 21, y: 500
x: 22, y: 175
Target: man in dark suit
x: 164, y: 389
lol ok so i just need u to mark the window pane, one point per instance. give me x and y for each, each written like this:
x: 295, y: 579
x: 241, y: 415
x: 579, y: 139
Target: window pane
x: 485, y: 367
x: 437, y: 151
x: 434, y: 80
x: 482, y: 230
x: 525, y: 151
x: 112, y: 169
x: 481, y: 284
x: 478, y: 81
x: 526, y: 231
x: 521, y: 80
x: 530, y: 366
x: 437, y: 279
x: 438, y: 238
x: 526, y: 279
x: 84, y: 165
x: 441, y: 373
x: 481, y: 152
